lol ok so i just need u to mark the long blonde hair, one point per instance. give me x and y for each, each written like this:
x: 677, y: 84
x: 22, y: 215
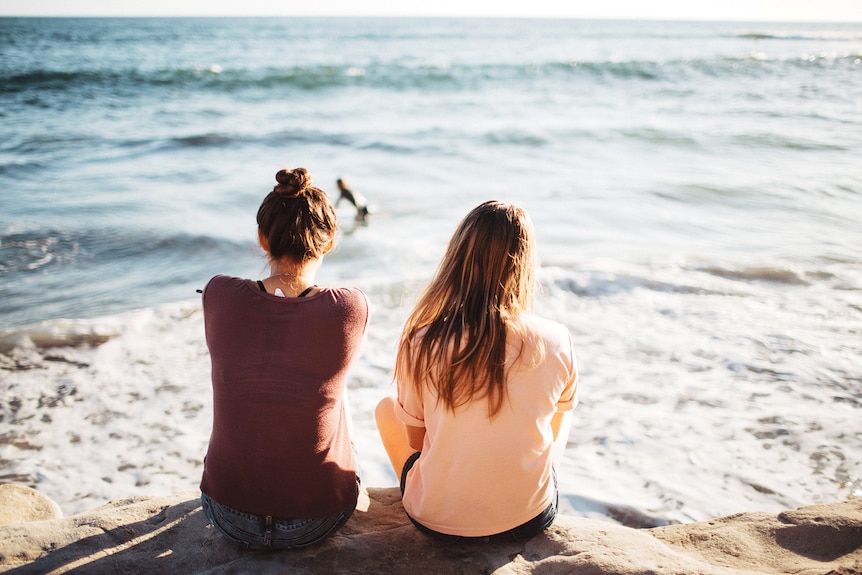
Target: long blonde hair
x: 455, y: 337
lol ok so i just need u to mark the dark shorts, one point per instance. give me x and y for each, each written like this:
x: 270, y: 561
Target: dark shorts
x: 522, y: 532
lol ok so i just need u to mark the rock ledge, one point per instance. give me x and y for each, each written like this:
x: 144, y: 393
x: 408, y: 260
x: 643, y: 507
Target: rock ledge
x: 169, y: 534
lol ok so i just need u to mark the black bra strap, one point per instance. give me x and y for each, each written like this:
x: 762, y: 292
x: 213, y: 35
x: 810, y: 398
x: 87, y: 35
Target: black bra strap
x: 303, y: 294
x: 306, y: 290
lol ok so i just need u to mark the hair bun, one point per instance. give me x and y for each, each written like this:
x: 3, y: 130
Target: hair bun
x: 292, y: 183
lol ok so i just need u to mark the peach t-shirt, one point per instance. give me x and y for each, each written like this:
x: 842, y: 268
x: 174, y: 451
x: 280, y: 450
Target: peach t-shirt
x: 479, y: 477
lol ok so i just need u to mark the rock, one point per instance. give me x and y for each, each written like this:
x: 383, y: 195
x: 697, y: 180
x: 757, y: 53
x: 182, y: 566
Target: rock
x: 171, y: 535
x: 19, y: 503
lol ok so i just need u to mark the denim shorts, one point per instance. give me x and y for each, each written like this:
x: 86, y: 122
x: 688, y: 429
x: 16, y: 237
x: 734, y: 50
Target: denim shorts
x: 265, y: 532
x: 522, y: 532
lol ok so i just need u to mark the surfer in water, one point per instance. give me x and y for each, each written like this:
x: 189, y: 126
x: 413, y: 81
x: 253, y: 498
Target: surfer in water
x: 355, y: 198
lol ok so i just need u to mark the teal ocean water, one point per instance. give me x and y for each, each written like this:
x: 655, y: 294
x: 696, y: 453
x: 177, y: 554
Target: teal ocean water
x: 696, y: 190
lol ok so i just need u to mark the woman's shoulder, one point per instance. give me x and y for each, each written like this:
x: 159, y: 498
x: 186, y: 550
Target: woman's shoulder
x: 223, y: 292
x: 346, y: 293
x: 545, y: 328
x: 553, y: 339
x: 551, y: 336
x: 351, y: 297
x: 222, y: 280
x: 353, y: 305
x: 219, y: 278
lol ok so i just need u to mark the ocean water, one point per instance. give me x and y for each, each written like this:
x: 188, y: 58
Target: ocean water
x: 696, y: 190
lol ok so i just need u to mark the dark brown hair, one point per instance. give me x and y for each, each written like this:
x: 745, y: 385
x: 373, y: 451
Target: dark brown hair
x: 296, y: 218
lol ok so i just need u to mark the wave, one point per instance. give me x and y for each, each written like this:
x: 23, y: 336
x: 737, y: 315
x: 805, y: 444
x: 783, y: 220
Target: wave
x: 794, y: 35
x: 597, y: 284
x: 661, y: 136
x: 37, y: 142
x: 88, y: 273
x: 391, y: 76
x: 784, y: 142
x: 204, y: 140
x: 20, y: 168
x: 32, y: 251
x: 515, y: 138
x: 64, y: 340
x: 58, y: 333
x: 36, y: 147
x: 757, y: 274
x: 24, y: 252
x: 214, y: 78
x: 275, y: 138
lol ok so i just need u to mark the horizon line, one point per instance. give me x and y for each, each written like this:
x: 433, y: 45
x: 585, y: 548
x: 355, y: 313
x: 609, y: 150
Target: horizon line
x: 449, y: 17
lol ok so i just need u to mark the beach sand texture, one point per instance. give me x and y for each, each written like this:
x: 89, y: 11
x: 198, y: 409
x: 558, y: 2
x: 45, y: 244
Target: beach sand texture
x: 169, y: 534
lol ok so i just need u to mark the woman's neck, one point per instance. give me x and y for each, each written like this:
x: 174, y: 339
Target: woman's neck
x: 290, y: 268
x: 291, y: 277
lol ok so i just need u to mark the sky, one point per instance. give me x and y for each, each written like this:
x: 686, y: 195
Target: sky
x: 735, y: 10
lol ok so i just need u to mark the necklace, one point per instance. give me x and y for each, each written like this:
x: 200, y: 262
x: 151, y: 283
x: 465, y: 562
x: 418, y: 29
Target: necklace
x: 287, y: 274
x: 295, y: 281
x: 292, y: 281
x: 289, y: 279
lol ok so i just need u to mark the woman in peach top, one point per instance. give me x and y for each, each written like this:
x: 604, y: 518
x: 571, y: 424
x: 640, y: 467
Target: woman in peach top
x: 485, y: 390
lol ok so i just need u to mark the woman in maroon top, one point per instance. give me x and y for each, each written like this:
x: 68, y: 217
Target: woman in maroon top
x: 280, y: 470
